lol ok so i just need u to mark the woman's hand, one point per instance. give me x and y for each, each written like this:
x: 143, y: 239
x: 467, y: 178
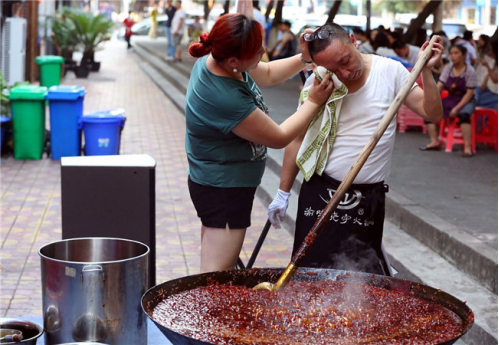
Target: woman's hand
x: 453, y: 113
x: 320, y: 91
x: 304, y: 46
x: 436, y: 54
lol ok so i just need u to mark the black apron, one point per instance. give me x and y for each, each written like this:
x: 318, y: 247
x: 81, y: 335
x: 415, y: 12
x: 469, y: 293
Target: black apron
x: 352, y: 238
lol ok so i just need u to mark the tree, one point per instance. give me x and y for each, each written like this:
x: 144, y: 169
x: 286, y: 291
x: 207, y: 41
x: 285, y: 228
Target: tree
x: 333, y: 11
x: 420, y: 20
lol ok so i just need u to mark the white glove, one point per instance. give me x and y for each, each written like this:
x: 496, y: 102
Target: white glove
x: 277, y: 209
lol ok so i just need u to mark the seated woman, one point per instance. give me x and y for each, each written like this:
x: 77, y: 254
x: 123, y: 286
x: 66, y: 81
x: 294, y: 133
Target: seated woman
x: 486, y: 92
x: 459, y: 79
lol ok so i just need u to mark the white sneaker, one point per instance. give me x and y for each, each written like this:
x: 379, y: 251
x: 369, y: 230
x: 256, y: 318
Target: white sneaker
x: 169, y: 58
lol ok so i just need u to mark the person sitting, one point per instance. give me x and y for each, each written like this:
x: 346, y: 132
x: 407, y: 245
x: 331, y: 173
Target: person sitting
x: 286, y: 46
x: 406, y: 51
x: 486, y: 92
x: 459, y: 79
x: 382, y: 45
x: 195, y: 29
x: 365, y: 46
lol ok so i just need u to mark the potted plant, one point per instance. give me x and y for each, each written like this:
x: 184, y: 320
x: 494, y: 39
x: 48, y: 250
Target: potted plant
x: 91, y: 30
x: 65, y: 39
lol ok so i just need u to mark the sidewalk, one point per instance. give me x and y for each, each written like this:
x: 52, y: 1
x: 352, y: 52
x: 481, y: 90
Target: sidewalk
x: 31, y: 196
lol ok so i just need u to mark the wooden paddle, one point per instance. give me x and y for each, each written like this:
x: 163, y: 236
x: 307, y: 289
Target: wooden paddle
x: 322, y: 221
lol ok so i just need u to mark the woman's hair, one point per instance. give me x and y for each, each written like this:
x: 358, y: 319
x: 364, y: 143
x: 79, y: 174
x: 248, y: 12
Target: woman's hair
x: 337, y: 32
x: 233, y: 35
x: 461, y: 48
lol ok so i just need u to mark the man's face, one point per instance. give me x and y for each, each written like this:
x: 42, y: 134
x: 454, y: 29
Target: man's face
x: 342, y: 58
x: 178, y: 4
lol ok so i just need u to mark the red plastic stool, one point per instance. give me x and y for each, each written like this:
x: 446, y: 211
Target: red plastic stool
x: 488, y: 134
x: 450, y: 134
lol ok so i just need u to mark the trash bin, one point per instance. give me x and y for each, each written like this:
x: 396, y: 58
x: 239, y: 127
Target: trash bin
x: 66, y: 112
x: 102, y: 132
x: 3, y: 122
x: 50, y: 69
x: 28, y: 120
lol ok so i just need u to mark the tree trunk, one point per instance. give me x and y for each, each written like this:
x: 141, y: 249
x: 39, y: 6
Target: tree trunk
x: 419, y: 22
x: 278, y: 13
x: 208, y: 5
x: 368, y: 15
x: 269, y: 9
x: 226, y: 6
x: 333, y: 11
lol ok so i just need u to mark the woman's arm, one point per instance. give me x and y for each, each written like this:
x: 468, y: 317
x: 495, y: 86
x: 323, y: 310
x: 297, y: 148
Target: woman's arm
x: 260, y: 128
x: 275, y: 72
x: 468, y: 96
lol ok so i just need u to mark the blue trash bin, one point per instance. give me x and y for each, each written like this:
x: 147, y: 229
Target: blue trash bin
x: 102, y: 132
x: 66, y: 112
x: 3, y: 123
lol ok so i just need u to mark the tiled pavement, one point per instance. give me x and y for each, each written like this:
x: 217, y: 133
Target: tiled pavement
x: 31, y: 193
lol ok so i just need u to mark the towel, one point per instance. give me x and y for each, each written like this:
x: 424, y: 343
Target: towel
x: 318, y: 141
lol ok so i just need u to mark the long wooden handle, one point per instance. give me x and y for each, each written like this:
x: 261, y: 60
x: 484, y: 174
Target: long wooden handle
x: 331, y: 206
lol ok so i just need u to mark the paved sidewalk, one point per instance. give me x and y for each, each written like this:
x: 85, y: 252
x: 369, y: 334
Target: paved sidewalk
x: 31, y: 195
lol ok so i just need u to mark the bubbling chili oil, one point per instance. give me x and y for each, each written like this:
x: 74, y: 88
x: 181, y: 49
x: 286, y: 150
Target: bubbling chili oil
x: 319, y: 312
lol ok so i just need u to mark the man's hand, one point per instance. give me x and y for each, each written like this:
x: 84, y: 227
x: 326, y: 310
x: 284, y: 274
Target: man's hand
x: 436, y: 55
x: 277, y: 209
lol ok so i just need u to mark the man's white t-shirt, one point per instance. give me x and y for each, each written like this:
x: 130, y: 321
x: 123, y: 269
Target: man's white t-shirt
x: 360, y: 114
x: 179, y: 14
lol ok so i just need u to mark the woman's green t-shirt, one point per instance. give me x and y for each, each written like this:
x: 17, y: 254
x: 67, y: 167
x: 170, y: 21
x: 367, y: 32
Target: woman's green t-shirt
x: 215, y: 105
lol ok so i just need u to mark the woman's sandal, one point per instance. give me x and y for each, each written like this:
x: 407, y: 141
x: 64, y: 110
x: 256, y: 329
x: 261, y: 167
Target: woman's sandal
x: 429, y: 148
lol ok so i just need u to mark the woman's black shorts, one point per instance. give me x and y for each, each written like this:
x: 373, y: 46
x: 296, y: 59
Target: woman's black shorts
x: 218, y: 207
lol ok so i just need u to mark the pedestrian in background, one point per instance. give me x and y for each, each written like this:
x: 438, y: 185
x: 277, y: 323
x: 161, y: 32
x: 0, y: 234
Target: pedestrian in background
x: 178, y: 29
x: 128, y: 22
x: 286, y: 46
x: 468, y: 42
x: 228, y: 130
x: 153, y: 31
x: 260, y: 17
x: 170, y: 12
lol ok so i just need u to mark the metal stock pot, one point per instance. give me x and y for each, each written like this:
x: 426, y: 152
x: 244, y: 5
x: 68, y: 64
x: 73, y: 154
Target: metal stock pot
x: 92, y: 289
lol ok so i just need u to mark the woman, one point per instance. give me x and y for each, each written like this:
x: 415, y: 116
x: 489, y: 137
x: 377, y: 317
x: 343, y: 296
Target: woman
x: 486, y: 92
x: 459, y: 79
x: 228, y: 130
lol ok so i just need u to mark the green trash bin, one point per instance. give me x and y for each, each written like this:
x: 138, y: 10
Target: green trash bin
x: 50, y: 69
x: 28, y: 120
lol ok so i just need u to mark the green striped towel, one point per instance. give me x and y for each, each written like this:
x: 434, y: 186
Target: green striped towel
x: 318, y: 141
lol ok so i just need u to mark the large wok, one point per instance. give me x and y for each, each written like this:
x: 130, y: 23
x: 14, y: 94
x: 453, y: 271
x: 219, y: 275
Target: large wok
x: 252, y: 277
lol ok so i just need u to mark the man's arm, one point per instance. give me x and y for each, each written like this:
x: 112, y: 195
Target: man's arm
x: 427, y: 102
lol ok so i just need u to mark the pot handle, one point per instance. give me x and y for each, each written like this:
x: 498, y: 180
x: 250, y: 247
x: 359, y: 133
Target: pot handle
x: 93, y: 268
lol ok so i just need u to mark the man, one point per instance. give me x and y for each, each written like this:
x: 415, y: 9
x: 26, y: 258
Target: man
x: 286, y: 46
x: 469, y: 44
x: 352, y: 238
x: 170, y: 12
x: 406, y: 51
x: 178, y: 29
